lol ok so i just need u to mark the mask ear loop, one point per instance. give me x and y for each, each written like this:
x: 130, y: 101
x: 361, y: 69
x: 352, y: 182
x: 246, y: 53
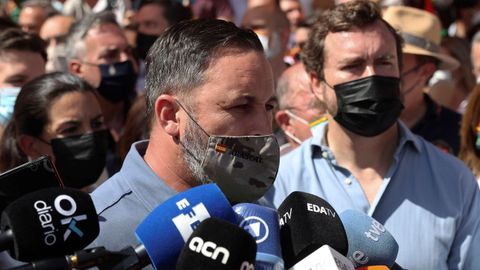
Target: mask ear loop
x: 293, y: 137
x: 405, y: 74
x: 296, y: 117
x: 191, y: 117
x: 42, y: 140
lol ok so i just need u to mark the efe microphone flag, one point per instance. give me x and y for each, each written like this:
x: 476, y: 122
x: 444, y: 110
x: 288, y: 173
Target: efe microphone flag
x: 165, y: 230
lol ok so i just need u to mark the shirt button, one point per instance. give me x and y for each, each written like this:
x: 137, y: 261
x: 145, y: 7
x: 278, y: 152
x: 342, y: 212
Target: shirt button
x: 347, y: 181
x: 325, y: 154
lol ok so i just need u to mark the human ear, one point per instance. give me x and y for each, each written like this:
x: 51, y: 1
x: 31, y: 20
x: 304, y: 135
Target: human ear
x: 29, y: 146
x: 166, y: 110
x: 283, y: 120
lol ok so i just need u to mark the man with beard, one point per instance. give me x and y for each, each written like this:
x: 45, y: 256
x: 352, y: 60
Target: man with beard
x: 206, y: 81
x: 363, y: 158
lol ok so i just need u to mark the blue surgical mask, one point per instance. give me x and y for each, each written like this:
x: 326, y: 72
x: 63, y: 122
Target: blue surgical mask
x: 8, y: 95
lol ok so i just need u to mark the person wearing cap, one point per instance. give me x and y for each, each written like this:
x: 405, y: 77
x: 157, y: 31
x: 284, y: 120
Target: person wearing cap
x: 364, y: 158
x: 420, y: 31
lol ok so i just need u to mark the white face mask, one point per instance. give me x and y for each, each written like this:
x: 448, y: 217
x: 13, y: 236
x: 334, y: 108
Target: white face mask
x: 440, y: 75
x: 271, y: 45
x: 313, y: 125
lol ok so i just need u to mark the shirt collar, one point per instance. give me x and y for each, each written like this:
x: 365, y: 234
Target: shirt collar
x: 150, y: 189
x: 406, y: 137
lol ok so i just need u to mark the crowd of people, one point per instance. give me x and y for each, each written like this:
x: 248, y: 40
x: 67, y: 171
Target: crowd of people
x: 371, y: 105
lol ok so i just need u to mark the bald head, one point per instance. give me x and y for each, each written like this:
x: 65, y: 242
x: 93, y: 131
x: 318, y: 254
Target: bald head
x: 297, y: 105
x: 292, y: 83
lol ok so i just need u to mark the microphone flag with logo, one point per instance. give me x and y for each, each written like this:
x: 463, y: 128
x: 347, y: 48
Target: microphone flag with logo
x: 49, y: 222
x: 307, y: 222
x: 369, y: 242
x: 262, y: 223
x: 166, y: 229
x: 218, y: 245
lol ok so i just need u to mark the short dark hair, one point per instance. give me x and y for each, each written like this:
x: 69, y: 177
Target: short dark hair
x: 30, y: 114
x: 343, y: 17
x: 177, y: 61
x: 16, y: 39
x: 173, y: 11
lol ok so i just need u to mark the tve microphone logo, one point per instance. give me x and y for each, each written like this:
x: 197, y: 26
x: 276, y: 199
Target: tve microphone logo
x: 65, y: 206
x: 257, y: 227
x: 209, y: 249
x: 187, y: 222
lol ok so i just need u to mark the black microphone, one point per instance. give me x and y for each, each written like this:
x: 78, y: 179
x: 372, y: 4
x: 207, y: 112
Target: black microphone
x: 46, y: 223
x: 307, y: 223
x: 218, y: 244
x: 85, y: 259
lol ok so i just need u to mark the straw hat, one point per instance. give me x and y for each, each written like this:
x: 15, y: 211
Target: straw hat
x: 421, y: 32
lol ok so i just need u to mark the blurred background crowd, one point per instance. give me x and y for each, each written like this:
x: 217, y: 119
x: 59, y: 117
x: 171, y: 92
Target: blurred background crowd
x: 72, y: 76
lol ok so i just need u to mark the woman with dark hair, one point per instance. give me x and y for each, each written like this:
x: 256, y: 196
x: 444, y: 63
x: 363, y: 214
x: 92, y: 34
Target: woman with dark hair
x: 57, y: 115
x: 470, y: 133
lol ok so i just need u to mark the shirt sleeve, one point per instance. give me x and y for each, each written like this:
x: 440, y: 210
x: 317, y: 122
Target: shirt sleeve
x: 465, y: 250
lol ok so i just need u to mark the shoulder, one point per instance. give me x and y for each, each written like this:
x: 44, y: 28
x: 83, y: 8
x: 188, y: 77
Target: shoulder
x: 119, y: 213
x: 445, y: 169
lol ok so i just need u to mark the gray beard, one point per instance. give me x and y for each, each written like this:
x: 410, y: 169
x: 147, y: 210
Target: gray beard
x: 194, y: 149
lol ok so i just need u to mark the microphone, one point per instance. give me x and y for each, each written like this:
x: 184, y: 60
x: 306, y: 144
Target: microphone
x: 218, y: 245
x: 262, y: 223
x: 369, y: 243
x: 373, y: 267
x: 47, y: 223
x: 82, y: 259
x: 324, y: 258
x: 165, y: 230
x: 307, y: 223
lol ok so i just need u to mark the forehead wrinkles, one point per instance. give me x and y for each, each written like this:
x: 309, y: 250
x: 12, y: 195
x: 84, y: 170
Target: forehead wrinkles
x: 374, y: 37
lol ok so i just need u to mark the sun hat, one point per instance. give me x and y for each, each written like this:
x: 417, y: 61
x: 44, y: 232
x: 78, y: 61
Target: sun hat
x: 421, y: 32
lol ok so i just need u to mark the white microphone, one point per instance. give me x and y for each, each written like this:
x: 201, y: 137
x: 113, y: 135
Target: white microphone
x: 324, y: 258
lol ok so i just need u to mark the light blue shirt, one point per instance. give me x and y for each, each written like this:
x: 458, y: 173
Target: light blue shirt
x: 429, y: 201
x: 124, y: 200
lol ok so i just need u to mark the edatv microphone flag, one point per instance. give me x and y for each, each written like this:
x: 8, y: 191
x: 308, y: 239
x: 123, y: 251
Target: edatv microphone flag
x: 165, y: 231
x: 50, y: 222
x: 307, y: 222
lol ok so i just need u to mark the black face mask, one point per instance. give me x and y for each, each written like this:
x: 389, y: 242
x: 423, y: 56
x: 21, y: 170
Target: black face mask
x: 144, y: 42
x: 118, y: 81
x: 368, y: 106
x: 80, y: 159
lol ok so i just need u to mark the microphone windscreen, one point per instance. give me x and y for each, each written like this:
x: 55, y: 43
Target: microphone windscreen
x: 262, y: 223
x: 50, y: 222
x: 308, y: 222
x: 324, y: 258
x: 373, y: 267
x: 369, y: 243
x: 166, y: 229
x: 218, y: 244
